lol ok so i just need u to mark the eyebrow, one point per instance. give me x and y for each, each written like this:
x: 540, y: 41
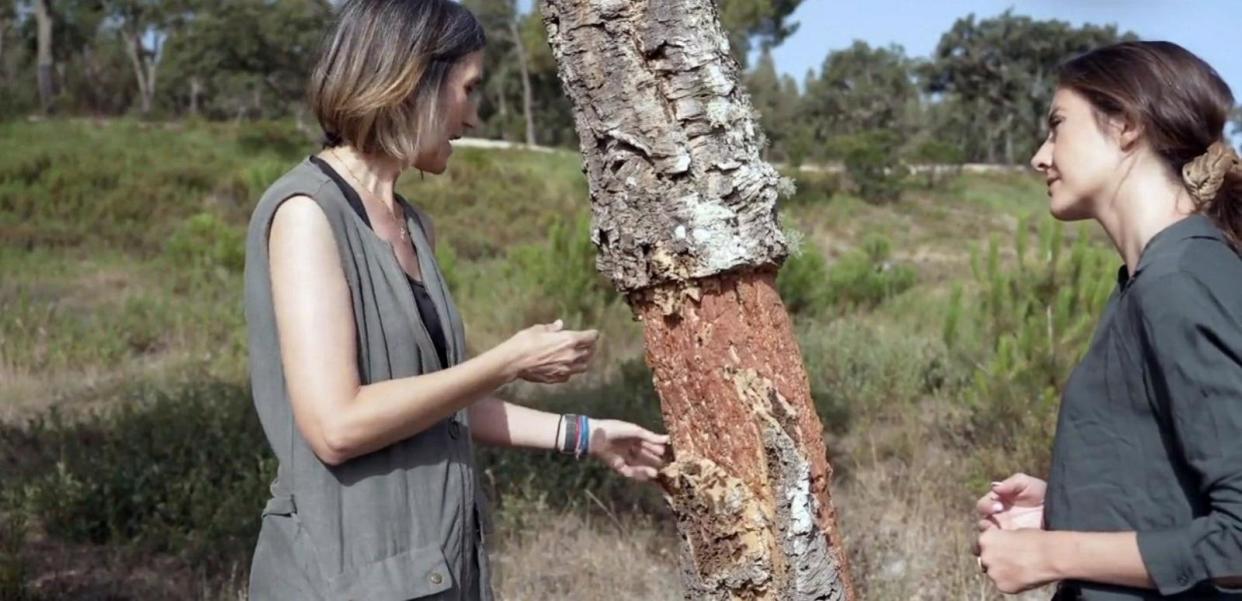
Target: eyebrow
x: 1052, y: 114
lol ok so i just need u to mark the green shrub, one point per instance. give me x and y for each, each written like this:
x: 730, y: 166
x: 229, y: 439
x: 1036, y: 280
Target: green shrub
x: 282, y: 138
x: 13, y: 568
x: 241, y: 192
x: 798, y: 146
x: 562, y: 270
x: 861, y: 279
x: 183, y: 471
x: 1034, y: 319
x: 867, y: 277
x: 872, y: 163
x: 517, y: 194
x: 206, y: 245
x: 861, y: 370
x: 812, y: 187
x: 939, y: 161
x: 803, y: 278
x: 105, y: 336
x: 116, y: 185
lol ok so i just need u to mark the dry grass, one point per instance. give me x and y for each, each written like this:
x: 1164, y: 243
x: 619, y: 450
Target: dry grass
x: 907, y: 522
x: 87, y: 572
x: 571, y: 557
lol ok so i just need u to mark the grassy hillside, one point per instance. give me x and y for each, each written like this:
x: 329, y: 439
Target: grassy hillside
x: 936, y: 330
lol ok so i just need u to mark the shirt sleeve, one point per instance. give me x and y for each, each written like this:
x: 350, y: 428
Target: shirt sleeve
x: 1191, y: 342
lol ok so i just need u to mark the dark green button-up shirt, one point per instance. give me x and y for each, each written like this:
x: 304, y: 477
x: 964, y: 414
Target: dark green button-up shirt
x: 1149, y: 436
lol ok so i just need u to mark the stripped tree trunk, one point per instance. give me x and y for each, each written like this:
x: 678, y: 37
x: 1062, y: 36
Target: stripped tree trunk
x: 685, y: 222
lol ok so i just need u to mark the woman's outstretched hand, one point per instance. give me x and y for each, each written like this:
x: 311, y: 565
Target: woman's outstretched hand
x: 630, y: 449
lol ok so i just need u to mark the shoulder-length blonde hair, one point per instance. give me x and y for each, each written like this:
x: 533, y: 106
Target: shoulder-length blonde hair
x: 377, y: 84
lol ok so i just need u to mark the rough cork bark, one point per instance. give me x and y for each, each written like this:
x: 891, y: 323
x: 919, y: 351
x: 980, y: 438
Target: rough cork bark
x: 685, y: 222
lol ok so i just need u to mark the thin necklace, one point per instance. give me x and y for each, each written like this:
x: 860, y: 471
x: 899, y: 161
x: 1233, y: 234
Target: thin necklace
x: 405, y: 233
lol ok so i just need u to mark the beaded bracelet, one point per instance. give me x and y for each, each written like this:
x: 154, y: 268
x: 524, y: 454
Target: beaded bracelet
x: 584, y: 437
x: 569, y: 442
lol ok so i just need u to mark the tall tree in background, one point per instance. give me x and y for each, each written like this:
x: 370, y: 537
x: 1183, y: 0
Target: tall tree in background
x: 145, y: 26
x: 45, y: 65
x: 524, y: 69
x: 7, y: 14
x: 685, y: 222
x: 748, y: 22
x: 246, y: 58
x: 507, y: 63
x: 777, y: 100
x: 553, y: 111
x: 997, y: 76
x: 521, y: 71
x: 860, y: 89
x: 91, y: 72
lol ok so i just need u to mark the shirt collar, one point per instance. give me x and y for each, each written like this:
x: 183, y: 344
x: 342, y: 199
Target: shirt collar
x: 1167, y: 240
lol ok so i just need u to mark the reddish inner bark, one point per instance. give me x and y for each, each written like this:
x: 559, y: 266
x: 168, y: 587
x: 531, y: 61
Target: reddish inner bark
x: 738, y: 323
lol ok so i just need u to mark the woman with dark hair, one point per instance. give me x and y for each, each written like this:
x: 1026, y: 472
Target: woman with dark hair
x: 357, y: 352
x: 1144, y: 498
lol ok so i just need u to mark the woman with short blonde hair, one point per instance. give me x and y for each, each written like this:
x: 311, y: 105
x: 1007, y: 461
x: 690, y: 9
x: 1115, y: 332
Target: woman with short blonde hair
x: 357, y: 351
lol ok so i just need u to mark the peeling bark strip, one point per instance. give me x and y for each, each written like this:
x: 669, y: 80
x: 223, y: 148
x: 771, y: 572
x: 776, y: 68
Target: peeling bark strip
x: 750, y: 484
x: 685, y: 222
x: 669, y: 138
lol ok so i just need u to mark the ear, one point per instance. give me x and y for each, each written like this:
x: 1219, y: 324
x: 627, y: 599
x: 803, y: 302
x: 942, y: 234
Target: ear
x: 1129, y: 133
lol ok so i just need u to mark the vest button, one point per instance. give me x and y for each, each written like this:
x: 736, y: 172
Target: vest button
x: 436, y: 578
x: 454, y: 429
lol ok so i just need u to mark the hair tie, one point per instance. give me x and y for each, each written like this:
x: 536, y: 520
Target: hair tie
x: 1205, y: 174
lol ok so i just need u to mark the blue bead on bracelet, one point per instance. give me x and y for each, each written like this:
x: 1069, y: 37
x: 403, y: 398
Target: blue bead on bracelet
x: 584, y: 436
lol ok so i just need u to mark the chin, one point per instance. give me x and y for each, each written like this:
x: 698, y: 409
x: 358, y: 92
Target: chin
x: 434, y: 167
x: 1068, y: 209
x: 435, y: 164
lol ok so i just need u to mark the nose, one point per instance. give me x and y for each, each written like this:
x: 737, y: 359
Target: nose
x: 1042, y: 160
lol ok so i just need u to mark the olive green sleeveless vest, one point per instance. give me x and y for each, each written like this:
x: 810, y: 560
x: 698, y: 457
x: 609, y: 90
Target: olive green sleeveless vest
x: 400, y: 523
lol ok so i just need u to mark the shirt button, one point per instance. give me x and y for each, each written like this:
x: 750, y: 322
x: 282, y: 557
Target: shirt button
x: 436, y: 578
x: 454, y: 429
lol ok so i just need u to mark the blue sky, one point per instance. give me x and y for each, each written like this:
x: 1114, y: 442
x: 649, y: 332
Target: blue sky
x: 1209, y: 28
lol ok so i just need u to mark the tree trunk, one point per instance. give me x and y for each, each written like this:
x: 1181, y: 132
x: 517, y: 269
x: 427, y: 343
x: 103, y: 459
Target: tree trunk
x: 146, y: 65
x: 136, y: 52
x: 152, y: 64
x: 44, y: 64
x: 685, y: 222
x: 4, y: 29
x: 196, y: 90
x: 502, y: 103
x: 1009, y: 160
x: 525, y: 71
x: 90, y: 69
